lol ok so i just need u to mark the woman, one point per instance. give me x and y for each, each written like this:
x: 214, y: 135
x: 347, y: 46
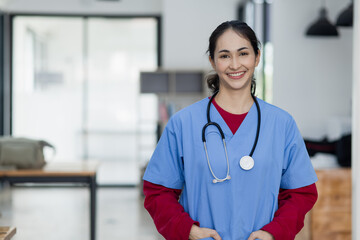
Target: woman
x: 256, y: 184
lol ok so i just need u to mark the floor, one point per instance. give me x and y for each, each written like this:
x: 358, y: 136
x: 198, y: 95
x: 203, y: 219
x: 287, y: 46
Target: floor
x: 55, y: 213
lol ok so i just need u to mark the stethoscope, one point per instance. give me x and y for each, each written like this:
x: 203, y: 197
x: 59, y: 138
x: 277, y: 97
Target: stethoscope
x: 246, y: 162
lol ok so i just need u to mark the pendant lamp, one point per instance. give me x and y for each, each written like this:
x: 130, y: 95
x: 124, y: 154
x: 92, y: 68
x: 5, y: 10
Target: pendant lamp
x: 322, y: 26
x: 345, y: 19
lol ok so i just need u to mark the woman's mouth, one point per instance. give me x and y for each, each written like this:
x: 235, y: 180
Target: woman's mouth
x: 236, y: 75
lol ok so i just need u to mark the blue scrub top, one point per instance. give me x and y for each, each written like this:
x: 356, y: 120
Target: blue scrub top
x: 249, y: 200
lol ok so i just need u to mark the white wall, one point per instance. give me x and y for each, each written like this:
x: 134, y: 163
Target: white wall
x: 83, y: 6
x: 312, y: 76
x: 187, y: 26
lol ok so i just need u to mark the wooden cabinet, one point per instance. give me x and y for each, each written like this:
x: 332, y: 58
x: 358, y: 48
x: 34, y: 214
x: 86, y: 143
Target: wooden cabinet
x: 331, y: 216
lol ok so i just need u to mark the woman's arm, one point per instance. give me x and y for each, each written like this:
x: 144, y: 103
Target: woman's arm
x: 174, y: 223
x: 169, y: 216
x: 293, y: 206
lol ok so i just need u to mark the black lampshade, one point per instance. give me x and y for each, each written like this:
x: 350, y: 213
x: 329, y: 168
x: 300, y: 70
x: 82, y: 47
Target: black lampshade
x: 345, y: 19
x: 322, y: 27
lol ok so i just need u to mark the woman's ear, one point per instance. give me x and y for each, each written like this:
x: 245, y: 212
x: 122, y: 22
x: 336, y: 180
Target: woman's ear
x: 212, y: 62
x: 257, y: 59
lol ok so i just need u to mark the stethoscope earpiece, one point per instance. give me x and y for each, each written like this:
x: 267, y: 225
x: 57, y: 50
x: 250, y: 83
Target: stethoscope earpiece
x: 246, y: 162
x: 216, y: 180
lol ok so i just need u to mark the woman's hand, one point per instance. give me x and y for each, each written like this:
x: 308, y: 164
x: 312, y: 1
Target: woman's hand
x: 199, y: 233
x: 262, y: 235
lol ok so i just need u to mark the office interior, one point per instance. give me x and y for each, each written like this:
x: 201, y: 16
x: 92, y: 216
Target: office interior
x: 74, y: 73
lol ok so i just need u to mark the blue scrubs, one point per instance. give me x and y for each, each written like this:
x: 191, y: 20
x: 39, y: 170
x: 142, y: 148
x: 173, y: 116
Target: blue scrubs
x: 249, y: 200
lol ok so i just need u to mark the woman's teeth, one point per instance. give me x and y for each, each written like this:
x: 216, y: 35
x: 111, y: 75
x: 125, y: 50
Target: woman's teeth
x: 236, y: 74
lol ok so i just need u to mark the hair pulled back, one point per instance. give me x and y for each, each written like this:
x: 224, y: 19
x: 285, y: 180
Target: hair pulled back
x: 245, y: 31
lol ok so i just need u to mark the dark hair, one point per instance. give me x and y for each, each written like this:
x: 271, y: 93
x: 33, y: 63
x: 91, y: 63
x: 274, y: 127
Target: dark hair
x: 245, y: 31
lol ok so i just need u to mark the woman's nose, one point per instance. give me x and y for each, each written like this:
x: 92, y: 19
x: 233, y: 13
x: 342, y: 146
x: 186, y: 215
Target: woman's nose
x: 235, y: 63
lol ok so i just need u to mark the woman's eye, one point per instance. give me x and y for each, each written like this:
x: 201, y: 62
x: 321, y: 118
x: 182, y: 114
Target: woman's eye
x: 244, y: 54
x: 224, y: 56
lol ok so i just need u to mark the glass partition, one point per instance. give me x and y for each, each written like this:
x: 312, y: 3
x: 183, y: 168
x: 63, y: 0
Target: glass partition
x: 76, y: 84
x: 47, y: 82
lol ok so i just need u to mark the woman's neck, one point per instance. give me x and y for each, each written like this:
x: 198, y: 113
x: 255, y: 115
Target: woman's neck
x: 236, y: 102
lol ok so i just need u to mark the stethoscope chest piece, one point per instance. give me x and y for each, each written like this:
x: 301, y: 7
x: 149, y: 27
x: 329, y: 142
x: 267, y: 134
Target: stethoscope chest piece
x: 246, y: 162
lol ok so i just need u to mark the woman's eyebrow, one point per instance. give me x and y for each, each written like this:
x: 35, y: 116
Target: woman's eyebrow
x: 242, y: 49
x: 227, y: 51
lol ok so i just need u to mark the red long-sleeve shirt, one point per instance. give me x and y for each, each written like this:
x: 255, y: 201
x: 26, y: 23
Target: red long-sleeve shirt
x: 174, y: 223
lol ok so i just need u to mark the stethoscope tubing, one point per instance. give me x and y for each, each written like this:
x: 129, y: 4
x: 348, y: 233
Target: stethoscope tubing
x: 216, y: 179
x: 209, y: 123
x: 258, y: 125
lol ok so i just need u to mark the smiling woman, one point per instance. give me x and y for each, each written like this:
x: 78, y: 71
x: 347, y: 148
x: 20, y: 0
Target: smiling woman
x: 229, y: 155
x: 234, y: 61
x: 249, y: 46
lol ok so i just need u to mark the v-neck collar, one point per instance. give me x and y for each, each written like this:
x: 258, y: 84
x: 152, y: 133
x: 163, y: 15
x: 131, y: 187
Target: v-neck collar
x: 215, y: 116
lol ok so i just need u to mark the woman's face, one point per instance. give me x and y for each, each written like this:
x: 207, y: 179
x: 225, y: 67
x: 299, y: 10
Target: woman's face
x: 234, y: 61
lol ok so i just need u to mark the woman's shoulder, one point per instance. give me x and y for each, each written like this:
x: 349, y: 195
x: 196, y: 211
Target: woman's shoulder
x: 194, y: 108
x: 190, y: 112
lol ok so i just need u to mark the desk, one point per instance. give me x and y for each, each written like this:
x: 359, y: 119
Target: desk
x: 60, y: 172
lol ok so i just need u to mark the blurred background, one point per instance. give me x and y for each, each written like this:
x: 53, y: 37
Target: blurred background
x: 99, y: 79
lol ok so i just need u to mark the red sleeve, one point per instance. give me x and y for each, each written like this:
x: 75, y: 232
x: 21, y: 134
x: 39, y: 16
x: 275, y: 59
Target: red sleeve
x: 293, y: 206
x: 169, y: 216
